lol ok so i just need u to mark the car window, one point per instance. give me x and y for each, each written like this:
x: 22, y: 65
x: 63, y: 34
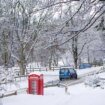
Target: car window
x: 72, y: 70
x: 64, y: 70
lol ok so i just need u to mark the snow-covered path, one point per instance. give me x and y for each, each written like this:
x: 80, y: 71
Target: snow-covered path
x: 77, y: 95
x: 48, y: 76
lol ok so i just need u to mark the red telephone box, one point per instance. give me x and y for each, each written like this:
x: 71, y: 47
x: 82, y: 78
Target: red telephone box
x: 35, y: 84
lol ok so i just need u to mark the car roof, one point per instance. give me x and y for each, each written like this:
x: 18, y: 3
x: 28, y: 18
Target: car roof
x: 66, y: 68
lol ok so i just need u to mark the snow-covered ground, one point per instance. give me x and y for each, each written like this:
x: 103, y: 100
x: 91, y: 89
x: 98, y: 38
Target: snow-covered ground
x: 48, y: 76
x: 76, y: 94
x: 88, y: 70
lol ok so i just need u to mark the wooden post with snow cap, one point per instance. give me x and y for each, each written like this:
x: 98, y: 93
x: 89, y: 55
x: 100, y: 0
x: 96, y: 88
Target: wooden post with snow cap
x: 66, y: 88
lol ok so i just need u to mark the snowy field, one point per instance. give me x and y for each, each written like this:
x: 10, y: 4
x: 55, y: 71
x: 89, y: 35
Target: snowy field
x: 76, y: 94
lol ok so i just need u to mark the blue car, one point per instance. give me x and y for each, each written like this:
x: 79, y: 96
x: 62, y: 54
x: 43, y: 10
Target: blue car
x: 85, y: 65
x: 67, y: 73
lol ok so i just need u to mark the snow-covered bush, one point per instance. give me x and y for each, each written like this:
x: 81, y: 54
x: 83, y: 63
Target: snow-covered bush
x: 94, y: 81
x: 7, y: 77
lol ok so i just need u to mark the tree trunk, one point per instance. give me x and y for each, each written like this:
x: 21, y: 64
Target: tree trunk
x: 88, y: 55
x: 22, y: 67
x: 50, y: 63
x: 76, y: 63
x: 75, y: 51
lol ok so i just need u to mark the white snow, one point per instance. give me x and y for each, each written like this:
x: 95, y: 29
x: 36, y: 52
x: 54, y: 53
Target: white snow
x: 87, y: 70
x: 76, y: 94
